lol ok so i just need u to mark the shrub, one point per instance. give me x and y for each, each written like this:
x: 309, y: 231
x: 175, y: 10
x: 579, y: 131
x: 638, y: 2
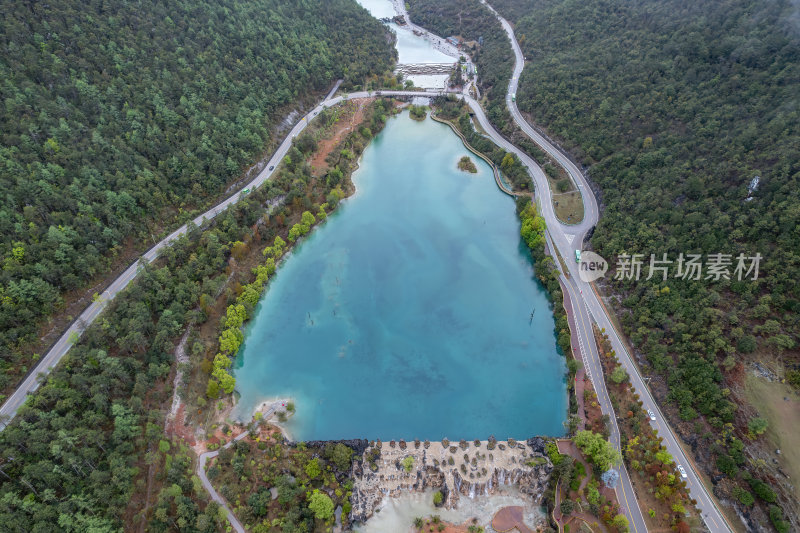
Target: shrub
x: 744, y: 497
x: 776, y: 517
x: 763, y: 491
x: 747, y: 344
x: 620, y: 522
x: 313, y: 469
x: 619, y: 375
x: 592, y: 494
x: 321, y: 505
x: 341, y: 456
x: 757, y: 425
x: 567, y: 506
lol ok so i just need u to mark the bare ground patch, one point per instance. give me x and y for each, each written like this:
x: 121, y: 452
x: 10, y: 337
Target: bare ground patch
x: 780, y: 405
x: 351, y: 118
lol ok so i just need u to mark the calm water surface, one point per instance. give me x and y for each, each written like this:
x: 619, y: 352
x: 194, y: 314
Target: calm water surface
x: 380, y: 9
x: 407, y: 314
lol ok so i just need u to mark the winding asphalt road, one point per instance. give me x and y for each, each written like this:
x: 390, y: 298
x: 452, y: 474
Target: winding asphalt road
x: 585, y: 299
x: 201, y: 473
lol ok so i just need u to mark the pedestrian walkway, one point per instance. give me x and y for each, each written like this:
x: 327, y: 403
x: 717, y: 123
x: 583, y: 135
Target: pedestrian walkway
x: 510, y: 518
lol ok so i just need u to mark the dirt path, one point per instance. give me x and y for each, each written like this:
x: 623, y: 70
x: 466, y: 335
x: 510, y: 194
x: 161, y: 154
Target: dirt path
x: 169, y: 420
x: 180, y: 358
x: 204, y: 457
x: 341, y: 129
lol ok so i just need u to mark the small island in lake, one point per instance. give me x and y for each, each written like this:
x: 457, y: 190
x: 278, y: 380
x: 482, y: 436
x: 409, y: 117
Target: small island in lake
x: 466, y: 164
x: 418, y: 112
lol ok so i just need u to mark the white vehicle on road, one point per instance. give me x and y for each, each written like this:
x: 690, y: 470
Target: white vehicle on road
x: 651, y: 414
x: 682, y: 471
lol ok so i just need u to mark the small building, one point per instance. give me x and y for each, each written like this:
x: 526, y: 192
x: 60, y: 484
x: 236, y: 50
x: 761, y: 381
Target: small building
x: 455, y: 41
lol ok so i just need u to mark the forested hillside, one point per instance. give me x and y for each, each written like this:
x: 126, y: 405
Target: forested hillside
x: 76, y: 456
x: 89, y: 451
x: 120, y: 119
x: 676, y: 107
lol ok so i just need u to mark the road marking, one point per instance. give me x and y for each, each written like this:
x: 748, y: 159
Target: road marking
x: 587, y: 369
x: 570, y: 237
x: 618, y: 443
x: 588, y: 310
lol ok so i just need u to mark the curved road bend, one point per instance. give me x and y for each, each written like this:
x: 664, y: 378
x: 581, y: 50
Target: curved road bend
x: 570, y: 238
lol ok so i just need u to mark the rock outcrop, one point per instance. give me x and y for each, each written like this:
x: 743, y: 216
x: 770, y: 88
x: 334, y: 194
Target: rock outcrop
x: 458, y: 470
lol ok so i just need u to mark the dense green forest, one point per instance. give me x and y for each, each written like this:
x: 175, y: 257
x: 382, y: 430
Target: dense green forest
x: 75, y: 454
x: 676, y: 107
x: 72, y: 455
x: 121, y: 119
x: 311, y: 481
x: 84, y: 452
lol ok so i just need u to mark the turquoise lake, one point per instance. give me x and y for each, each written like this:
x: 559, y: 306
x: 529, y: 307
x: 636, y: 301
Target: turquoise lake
x: 408, y: 313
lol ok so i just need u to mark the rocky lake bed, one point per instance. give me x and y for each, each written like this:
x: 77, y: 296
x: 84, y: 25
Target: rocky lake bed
x: 459, y: 470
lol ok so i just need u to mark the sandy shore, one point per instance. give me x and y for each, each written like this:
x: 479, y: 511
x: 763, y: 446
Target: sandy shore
x: 268, y: 409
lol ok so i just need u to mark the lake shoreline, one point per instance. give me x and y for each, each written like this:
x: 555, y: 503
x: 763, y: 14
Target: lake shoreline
x: 316, y: 317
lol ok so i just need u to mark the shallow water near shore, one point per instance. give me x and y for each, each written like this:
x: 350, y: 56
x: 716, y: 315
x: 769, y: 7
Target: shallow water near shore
x: 408, y: 313
x: 398, y: 514
x: 378, y: 8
